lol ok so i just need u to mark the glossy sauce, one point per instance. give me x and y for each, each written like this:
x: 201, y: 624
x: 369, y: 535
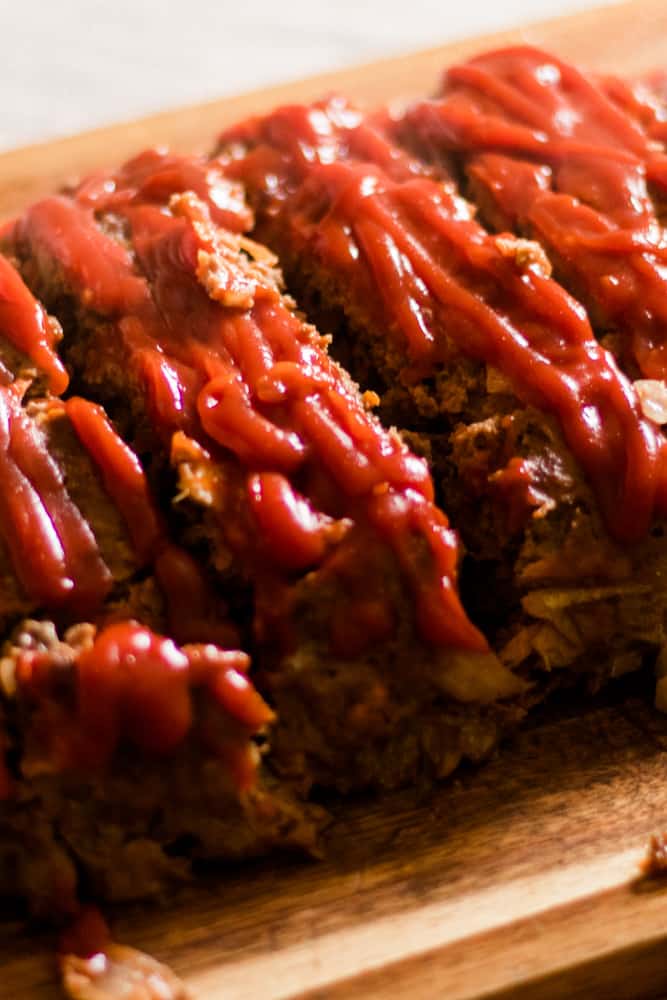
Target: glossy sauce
x: 53, y: 550
x: 134, y: 686
x: 24, y: 324
x: 407, y: 250
x: 224, y: 359
x: 122, y: 474
x: 155, y: 175
x: 588, y: 154
x: 191, y: 608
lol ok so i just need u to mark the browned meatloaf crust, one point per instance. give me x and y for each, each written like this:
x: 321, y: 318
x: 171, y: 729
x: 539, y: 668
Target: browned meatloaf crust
x: 319, y: 519
x: 378, y: 245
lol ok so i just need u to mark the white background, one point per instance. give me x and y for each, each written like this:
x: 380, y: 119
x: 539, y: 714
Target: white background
x: 66, y: 65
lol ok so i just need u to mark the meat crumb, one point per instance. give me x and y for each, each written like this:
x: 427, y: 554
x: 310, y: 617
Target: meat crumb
x: 527, y: 254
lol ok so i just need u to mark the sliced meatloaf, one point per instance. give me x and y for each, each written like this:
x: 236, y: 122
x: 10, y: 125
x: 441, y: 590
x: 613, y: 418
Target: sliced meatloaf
x: 554, y: 476
x: 324, y: 520
x: 64, y: 544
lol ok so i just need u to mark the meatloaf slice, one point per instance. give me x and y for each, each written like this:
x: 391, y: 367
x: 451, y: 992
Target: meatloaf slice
x: 293, y: 490
x: 125, y: 758
x: 554, y: 477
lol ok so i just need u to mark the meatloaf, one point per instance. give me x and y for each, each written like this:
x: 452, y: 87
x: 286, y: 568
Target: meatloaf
x: 540, y: 445
x: 320, y: 524
x: 486, y: 274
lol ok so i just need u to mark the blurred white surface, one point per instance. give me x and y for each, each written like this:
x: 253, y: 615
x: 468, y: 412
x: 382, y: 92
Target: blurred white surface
x: 68, y: 65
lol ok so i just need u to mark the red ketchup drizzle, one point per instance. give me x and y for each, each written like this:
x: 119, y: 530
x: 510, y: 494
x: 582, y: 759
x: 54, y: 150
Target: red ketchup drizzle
x: 135, y: 686
x: 155, y: 175
x: 243, y: 375
x: 190, y: 606
x: 122, y: 474
x: 24, y: 324
x: 586, y: 154
x: 330, y: 186
x: 53, y: 550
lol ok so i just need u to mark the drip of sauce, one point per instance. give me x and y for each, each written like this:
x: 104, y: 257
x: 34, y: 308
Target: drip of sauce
x: 191, y: 608
x: 52, y: 547
x: 88, y: 934
x: 569, y: 160
x: 515, y: 486
x: 225, y: 359
x: 134, y: 686
x: 405, y: 246
x: 6, y: 779
x: 122, y: 474
x: 26, y: 326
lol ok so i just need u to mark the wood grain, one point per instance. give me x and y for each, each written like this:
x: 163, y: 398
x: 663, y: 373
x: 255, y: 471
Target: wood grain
x: 522, y: 872
x: 519, y: 879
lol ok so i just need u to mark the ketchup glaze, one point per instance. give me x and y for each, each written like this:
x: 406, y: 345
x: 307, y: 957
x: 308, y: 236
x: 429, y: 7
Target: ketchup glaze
x: 24, y: 323
x: 573, y: 160
x: 198, y: 319
x: 133, y: 686
x: 330, y: 185
x: 52, y: 547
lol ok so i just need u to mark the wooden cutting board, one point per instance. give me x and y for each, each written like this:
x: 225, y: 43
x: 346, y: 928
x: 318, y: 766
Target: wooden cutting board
x: 518, y: 879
